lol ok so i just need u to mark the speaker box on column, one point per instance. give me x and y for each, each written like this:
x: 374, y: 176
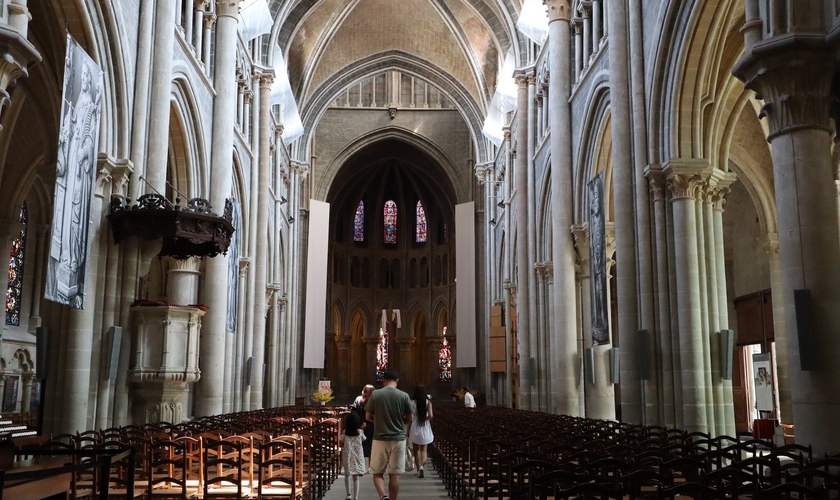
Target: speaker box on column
x: 115, y: 338
x: 589, y: 365
x: 727, y: 345
x: 804, y: 326
x: 643, y: 347
x: 249, y: 370
x: 614, y: 365
x: 41, y: 346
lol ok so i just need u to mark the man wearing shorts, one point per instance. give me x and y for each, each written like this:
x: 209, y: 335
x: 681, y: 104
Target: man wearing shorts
x: 390, y: 411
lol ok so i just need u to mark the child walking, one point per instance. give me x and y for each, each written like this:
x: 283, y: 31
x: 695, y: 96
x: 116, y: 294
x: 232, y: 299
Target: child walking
x: 352, y: 455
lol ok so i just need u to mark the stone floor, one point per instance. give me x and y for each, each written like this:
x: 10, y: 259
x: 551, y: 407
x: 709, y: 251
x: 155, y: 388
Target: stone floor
x: 411, y: 487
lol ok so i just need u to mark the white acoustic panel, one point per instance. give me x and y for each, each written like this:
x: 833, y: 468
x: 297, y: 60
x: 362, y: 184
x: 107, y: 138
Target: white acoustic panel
x: 465, y: 278
x: 316, y: 285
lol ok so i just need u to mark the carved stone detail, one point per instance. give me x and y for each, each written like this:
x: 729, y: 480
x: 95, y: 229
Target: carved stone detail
x: 558, y: 10
x: 684, y: 186
x: 227, y: 8
x: 795, y: 84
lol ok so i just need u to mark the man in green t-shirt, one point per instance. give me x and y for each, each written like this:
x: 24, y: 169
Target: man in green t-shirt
x: 390, y: 411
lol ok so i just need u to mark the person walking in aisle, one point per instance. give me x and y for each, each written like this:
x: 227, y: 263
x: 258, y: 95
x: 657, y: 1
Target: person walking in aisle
x: 420, y: 434
x: 469, y: 399
x: 390, y: 411
x: 367, y: 426
x: 352, y: 458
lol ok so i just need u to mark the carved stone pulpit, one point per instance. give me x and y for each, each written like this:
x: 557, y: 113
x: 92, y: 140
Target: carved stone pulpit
x: 164, y: 361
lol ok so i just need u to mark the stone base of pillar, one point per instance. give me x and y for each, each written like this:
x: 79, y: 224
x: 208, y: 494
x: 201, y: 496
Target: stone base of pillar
x: 154, y: 402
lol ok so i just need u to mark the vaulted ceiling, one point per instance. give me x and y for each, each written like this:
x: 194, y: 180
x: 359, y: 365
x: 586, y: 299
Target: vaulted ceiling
x: 455, y: 40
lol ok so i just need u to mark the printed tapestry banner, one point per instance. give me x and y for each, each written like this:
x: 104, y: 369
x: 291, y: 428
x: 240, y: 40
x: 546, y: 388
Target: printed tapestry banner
x: 75, y: 174
x: 763, y: 377
x: 598, y: 262
x: 233, y: 268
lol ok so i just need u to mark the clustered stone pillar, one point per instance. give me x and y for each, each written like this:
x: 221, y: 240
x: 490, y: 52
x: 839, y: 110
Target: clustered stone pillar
x: 599, y: 394
x: 794, y: 78
x: 209, y: 399
x: 564, y: 372
x: 527, y: 389
x: 78, y: 351
x: 625, y: 219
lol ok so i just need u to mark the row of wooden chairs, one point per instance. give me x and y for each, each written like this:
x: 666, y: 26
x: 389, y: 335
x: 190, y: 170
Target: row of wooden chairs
x: 502, y: 453
x: 294, y: 455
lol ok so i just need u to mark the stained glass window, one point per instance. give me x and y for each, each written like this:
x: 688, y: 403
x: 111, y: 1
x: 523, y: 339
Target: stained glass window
x: 390, y: 212
x: 421, y: 223
x: 445, y: 360
x: 359, y: 223
x: 381, y: 355
x: 13, y: 291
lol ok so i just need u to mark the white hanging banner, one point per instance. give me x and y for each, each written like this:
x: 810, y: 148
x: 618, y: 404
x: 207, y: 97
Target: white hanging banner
x: 75, y: 174
x: 316, y: 285
x: 465, y: 285
x: 533, y: 21
x: 281, y: 93
x: 254, y: 19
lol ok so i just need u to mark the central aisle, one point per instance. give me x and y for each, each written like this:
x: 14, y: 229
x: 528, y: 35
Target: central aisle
x: 411, y: 487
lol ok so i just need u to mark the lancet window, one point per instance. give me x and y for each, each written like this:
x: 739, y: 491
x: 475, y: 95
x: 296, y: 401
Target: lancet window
x: 359, y: 222
x: 15, y: 283
x: 421, y: 223
x: 390, y: 220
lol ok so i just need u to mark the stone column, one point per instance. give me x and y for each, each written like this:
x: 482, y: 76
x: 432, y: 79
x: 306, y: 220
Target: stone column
x: 238, y: 347
x: 41, y: 233
x: 566, y: 359
x: 723, y: 302
x: 653, y: 407
x: 712, y: 403
x: 161, y: 91
x: 599, y: 395
x: 198, y: 29
x: 794, y: 78
x: 182, y: 281
x: 587, y: 33
x: 540, y: 374
x: 261, y: 255
x: 80, y: 329
x: 664, y: 344
x: 540, y: 327
x: 406, y: 365
x: 684, y: 181
x: 26, y: 394
x: 770, y: 242
x: 577, y: 27
x: 596, y: 24
x: 433, y: 346
x: 529, y: 396
x: 209, y: 20
x: 208, y: 399
x: 342, y: 345
x: 625, y: 216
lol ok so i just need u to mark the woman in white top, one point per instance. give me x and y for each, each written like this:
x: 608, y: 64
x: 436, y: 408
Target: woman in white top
x: 420, y: 434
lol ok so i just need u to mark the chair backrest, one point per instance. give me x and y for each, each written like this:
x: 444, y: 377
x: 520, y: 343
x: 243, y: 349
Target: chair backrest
x: 167, y: 462
x: 223, y: 474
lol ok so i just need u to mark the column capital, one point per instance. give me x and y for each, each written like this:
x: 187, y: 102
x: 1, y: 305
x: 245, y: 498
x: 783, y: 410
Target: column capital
x: 685, y: 177
x: 209, y: 20
x: 227, y: 8
x: 770, y: 243
x: 718, y: 188
x: 539, y: 268
x: 105, y: 166
x: 521, y: 80
x: 558, y: 10
x: 244, y: 262
x: 656, y: 181
x: 266, y: 79
x: 190, y: 264
x: 793, y: 78
x: 577, y: 26
x: 343, y: 342
x: 482, y: 171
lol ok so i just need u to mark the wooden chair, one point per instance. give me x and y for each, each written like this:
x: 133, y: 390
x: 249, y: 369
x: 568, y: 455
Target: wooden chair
x: 588, y: 491
x: 790, y: 491
x: 223, y: 469
x: 168, y: 470
x: 278, y: 476
x: 695, y: 491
